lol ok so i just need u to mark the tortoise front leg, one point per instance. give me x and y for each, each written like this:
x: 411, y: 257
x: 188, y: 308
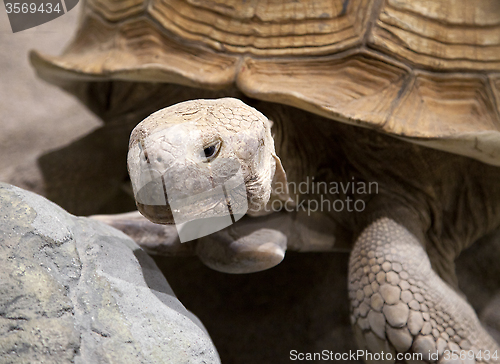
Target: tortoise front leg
x: 400, y: 305
x: 155, y: 239
x: 250, y: 245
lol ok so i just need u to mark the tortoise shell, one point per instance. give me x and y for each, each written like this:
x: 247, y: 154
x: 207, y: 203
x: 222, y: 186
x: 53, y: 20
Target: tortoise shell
x: 426, y: 71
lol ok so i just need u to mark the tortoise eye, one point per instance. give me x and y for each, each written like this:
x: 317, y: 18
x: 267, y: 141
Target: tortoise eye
x: 210, y: 151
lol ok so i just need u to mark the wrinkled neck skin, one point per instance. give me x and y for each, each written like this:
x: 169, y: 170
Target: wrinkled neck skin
x: 447, y: 201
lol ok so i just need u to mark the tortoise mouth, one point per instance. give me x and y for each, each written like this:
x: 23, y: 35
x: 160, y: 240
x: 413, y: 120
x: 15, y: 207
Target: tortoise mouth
x: 198, y: 216
x: 159, y: 214
x: 227, y: 201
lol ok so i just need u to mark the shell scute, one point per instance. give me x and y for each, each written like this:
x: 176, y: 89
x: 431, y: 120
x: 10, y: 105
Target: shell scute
x: 426, y: 71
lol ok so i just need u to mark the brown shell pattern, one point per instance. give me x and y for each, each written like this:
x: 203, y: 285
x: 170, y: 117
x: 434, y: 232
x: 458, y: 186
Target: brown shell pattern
x: 427, y: 71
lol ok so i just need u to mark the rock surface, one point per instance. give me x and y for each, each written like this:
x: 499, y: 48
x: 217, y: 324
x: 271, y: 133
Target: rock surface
x: 73, y: 290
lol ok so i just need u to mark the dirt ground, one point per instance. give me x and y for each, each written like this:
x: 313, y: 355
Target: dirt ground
x: 259, y: 318
x: 34, y: 117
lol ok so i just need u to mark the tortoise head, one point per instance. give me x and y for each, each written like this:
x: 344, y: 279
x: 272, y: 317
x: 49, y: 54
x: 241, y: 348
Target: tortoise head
x: 203, y: 159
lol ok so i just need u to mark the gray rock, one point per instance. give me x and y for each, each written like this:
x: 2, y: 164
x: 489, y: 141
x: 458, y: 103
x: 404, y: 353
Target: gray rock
x: 73, y: 290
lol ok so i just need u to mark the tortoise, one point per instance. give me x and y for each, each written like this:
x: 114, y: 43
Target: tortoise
x: 401, y: 96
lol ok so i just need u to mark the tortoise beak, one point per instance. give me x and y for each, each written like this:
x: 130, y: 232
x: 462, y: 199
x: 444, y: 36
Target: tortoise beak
x: 159, y: 214
x: 152, y: 200
x: 194, y: 216
x: 162, y: 205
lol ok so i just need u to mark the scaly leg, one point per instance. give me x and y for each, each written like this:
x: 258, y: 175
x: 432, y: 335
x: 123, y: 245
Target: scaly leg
x: 400, y: 305
x: 251, y: 245
x: 153, y: 238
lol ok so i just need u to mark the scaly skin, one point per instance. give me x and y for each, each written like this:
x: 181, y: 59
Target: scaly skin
x: 399, y: 304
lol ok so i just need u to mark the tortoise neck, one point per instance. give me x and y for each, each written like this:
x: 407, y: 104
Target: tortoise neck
x: 329, y: 160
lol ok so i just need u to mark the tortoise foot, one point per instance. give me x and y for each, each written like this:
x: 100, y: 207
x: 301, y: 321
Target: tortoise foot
x: 401, y: 307
x: 242, y: 249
